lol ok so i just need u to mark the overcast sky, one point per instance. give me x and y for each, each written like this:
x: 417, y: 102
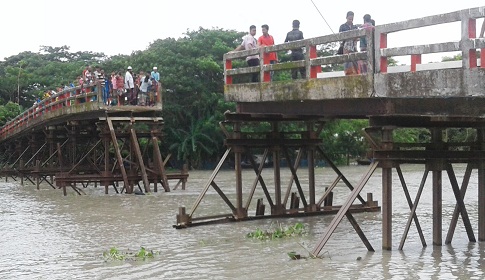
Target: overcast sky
x: 120, y: 27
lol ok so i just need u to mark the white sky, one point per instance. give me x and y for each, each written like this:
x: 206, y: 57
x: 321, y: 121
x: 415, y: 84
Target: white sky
x: 120, y: 27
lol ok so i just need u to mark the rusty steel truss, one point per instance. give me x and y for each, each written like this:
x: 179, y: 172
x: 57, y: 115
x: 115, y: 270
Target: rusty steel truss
x: 105, y: 151
x: 286, y: 199
x: 437, y: 156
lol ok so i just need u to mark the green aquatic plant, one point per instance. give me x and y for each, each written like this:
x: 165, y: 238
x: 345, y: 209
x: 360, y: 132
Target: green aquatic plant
x: 113, y: 254
x: 116, y: 255
x: 143, y: 254
x: 296, y: 230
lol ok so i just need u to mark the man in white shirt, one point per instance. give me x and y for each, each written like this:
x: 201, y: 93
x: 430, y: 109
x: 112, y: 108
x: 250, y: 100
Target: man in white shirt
x: 249, y: 43
x: 130, y: 85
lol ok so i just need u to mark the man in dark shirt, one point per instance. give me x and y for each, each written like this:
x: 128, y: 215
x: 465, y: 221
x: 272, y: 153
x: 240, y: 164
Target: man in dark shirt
x: 296, y: 54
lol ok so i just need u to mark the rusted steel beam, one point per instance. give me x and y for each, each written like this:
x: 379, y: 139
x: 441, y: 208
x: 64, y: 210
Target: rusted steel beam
x: 295, y: 176
x: 224, y: 197
x: 278, y: 207
x: 336, y: 170
x: 459, y: 195
x: 456, y: 212
x: 430, y: 154
x: 329, y: 190
x: 114, y: 140
x: 359, y: 231
x: 290, y: 183
x: 139, y: 157
x: 413, y: 210
x: 437, y: 207
x: 208, y: 184
x: 272, y: 142
x: 344, y: 209
x: 160, y: 164
x: 84, y: 156
x: 410, y: 204
x: 259, y: 179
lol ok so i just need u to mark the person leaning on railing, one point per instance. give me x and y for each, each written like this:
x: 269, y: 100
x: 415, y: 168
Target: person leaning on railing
x: 349, y: 45
x: 249, y: 43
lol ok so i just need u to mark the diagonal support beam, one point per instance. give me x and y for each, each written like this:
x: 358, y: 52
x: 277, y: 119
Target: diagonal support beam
x: 127, y: 186
x: 456, y: 212
x: 290, y: 184
x: 139, y: 157
x: 209, y: 182
x: 344, y: 209
x: 329, y: 190
x: 224, y: 197
x: 259, y: 179
x: 85, y: 156
x: 410, y: 203
x: 160, y: 164
x: 17, y: 160
x: 295, y: 176
x: 49, y: 158
x: 459, y: 202
x: 413, y: 209
x: 336, y: 170
x: 359, y: 231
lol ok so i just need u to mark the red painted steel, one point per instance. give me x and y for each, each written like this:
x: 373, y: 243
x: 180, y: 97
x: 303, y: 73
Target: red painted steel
x: 415, y: 59
x: 383, y: 45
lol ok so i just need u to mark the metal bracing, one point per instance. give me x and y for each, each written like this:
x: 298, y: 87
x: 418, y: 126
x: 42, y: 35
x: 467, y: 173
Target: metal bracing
x: 437, y: 156
x: 410, y: 203
x: 92, y: 152
x: 344, y: 211
x: 413, y: 208
x: 280, y: 144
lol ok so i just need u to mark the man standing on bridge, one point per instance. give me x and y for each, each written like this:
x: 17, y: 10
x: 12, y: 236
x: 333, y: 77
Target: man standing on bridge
x: 267, y: 40
x: 296, y: 54
x: 130, y: 85
x: 249, y: 43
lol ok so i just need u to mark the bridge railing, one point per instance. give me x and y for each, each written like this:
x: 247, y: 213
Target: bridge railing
x: 79, y: 96
x: 72, y: 100
x: 467, y: 43
x: 312, y: 62
x: 443, y: 79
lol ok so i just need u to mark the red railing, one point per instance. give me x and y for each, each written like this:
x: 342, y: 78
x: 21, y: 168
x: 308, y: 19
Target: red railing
x: 48, y: 107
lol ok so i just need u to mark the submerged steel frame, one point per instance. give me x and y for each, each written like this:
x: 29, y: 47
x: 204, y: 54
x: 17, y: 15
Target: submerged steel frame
x: 436, y: 156
x: 279, y: 142
x: 104, y: 151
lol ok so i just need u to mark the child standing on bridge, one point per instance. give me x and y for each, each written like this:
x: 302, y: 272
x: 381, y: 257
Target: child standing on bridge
x: 368, y: 25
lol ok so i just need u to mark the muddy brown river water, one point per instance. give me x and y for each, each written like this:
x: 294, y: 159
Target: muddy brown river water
x: 44, y: 235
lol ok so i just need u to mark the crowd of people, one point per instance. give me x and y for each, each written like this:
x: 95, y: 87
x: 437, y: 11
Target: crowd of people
x: 129, y: 89
x: 249, y: 42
